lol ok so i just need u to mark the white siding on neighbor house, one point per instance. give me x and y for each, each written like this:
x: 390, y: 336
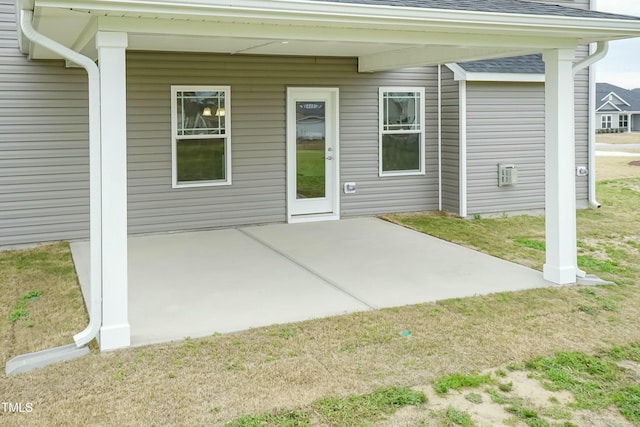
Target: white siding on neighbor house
x: 44, y: 163
x: 258, y: 96
x: 450, y: 142
x: 615, y: 117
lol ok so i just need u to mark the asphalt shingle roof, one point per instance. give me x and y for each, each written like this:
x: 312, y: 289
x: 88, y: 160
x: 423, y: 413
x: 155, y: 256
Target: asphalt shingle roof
x: 633, y: 98
x: 496, y: 6
x: 528, y: 64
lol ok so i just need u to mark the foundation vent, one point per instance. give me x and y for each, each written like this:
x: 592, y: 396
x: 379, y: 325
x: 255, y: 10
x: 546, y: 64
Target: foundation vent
x: 507, y: 174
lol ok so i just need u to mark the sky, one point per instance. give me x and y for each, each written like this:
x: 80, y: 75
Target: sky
x: 621, y: 66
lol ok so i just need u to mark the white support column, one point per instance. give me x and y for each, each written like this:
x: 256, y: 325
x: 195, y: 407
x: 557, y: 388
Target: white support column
x: 560, y: 187
x: 115, y: 330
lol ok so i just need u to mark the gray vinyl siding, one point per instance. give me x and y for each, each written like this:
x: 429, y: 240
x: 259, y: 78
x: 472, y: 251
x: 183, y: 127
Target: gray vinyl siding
x: 258, y: 146
x: 44, y: 161
x: 504, y: 128
x: 581, y: 89
x: 450, y: 142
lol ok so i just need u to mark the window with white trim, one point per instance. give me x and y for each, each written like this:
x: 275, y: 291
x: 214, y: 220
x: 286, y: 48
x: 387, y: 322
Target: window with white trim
x: 605, y: 122
x: 200, y: 135
x: 401, y: 139
x: 623, y: 121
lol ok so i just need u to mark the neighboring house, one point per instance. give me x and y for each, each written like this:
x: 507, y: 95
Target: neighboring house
x: 617, y: 108
x: 200, y: 109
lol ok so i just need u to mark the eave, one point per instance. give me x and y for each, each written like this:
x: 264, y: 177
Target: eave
x: 460, y: 74
x: 382, y: 37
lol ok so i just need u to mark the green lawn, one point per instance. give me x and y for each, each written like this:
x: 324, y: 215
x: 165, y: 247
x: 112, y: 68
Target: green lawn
x: 310, y: 168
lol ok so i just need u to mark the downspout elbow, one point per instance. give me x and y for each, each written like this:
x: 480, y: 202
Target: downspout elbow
x: 602, y: 48
x: 93, y: 73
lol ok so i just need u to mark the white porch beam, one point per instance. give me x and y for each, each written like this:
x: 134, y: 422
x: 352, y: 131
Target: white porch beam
x: 317, y: 32
x: 560, y: 188
x: 432, y: 55
x: 115, y: 330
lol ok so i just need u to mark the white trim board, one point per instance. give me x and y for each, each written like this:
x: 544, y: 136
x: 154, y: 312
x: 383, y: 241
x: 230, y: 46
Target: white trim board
x: 460, y: 74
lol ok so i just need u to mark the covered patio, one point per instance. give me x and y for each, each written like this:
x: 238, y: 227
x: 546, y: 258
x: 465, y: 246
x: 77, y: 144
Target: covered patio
x: 356, y: 272
x: 198, y: 283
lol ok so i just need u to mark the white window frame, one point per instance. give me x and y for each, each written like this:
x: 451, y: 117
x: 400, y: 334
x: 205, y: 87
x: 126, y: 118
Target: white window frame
x: 623, y: 121
x: 606, y: 121
x: 420, y: 132
x: 175, y: 137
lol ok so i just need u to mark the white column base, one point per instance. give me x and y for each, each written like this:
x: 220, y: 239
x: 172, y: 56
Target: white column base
x: 559, y: 275
x: 115, y: 337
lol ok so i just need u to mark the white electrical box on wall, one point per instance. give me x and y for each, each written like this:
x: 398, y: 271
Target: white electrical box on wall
x: 582, y: 171
x: 349, y: 187
x: 507, y: 174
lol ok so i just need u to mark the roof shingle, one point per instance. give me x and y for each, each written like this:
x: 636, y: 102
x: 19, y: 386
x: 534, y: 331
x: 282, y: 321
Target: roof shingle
x: 527, y: 64
x: 495, y: 6
x: 604, y: 89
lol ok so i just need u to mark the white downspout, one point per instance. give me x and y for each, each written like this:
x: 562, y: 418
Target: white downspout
x: 463, y: 147
x: 439, y: 137
x: 600, y: 52
x: 95, y: 183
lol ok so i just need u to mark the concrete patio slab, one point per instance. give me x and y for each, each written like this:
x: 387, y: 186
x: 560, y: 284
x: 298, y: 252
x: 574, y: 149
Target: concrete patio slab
x: 387, y: 265
x: 197, y: 283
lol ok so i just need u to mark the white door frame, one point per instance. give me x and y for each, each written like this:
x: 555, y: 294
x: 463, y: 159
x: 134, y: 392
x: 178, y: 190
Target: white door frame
x: 331, y: 97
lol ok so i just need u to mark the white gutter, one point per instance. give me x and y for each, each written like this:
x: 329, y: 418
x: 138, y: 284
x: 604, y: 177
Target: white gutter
x: 314, y: 12
x: 439, y: 137
x: 93, y: 72
x: 601, y: 51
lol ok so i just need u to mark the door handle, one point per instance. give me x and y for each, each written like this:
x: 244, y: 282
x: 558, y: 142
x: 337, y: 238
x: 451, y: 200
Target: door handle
x: 329, y: 158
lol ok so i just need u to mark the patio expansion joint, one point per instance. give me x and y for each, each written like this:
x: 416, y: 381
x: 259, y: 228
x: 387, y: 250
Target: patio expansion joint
x: 319, y: 275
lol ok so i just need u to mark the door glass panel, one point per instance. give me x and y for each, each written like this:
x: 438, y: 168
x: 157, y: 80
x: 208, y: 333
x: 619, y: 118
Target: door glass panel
x: 310, y: 150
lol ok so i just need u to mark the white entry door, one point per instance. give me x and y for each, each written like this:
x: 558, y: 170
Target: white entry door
x: 312, y: 154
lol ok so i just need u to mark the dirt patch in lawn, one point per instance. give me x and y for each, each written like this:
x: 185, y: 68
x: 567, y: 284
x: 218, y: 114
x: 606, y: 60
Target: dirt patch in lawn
x: 524, y: 401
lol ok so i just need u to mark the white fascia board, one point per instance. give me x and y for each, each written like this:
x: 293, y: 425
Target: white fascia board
x: 617, y: 96
x: 431, y: 55
x: 460, y: 73
x: 370, y: 15
x: 608, y: 103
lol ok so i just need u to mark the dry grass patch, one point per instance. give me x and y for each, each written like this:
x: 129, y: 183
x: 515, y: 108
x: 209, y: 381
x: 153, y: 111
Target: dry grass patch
x: 618, y: 138
x: 609, y: 168
x: 41, y: 304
